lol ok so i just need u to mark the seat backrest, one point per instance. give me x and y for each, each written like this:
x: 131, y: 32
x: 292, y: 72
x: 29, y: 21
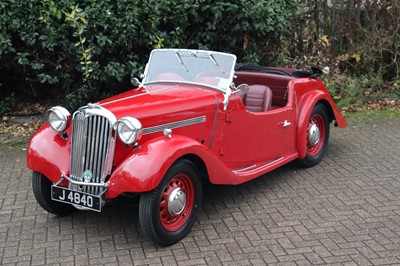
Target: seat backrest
x: 258, y: 98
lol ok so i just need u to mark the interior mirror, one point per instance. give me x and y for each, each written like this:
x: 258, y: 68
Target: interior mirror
x: 242, y: 89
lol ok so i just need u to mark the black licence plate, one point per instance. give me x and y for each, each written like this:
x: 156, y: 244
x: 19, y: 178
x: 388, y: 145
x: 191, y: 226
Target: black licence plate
x: 76, y: 198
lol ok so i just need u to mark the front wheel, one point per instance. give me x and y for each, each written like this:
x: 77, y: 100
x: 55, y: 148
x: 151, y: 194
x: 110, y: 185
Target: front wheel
x: 317, y: 136
x: 41, y: 186
x: 168, y: 212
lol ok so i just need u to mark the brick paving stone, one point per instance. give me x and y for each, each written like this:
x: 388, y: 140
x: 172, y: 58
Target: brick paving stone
x: 344, y: 211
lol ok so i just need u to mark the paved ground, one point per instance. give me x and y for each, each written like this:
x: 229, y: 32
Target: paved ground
x: 344, y: 211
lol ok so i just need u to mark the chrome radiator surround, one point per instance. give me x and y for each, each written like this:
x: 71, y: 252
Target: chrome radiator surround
x: 92, y: 148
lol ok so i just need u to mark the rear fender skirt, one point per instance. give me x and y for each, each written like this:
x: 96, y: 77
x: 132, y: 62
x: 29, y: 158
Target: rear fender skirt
x: 48, y: 154
x: 144, y: 168
x: 306, y: 106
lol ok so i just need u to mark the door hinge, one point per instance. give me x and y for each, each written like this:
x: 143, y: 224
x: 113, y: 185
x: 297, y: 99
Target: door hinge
x: 228, y: 118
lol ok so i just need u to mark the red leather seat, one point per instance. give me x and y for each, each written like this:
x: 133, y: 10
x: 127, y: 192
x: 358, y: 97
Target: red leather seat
x: 258, y: 98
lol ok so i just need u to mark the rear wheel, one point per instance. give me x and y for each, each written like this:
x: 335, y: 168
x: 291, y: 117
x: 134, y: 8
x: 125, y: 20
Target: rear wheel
x: 168, y: 212
x: 41, y: 186
x: 317, y: 136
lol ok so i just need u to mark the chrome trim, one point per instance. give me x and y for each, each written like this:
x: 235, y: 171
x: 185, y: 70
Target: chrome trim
x: 133, y: 124
x: 286, y: 123
x: 62, y: 113
x: 92, y: 148
x: 125, y: 98
x: 167, y: 132
x: 176, y: 201
x: 243, y: 170
x: 97, y: 109
x: 314, y: 135
x: 78, y: 183
x: 182, y: 123
x: 139, y: 95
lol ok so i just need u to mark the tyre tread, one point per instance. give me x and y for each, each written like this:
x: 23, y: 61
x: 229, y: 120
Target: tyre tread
x: 149, y: 215
x: 309, y: 161
x: 41, y: 187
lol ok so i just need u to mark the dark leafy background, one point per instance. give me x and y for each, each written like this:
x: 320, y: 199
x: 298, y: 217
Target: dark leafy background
x: 74, y: 52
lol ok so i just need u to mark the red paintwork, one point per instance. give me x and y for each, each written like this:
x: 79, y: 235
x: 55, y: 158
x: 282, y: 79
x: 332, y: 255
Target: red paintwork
x: 235, y: 145
x: 309, y: 96
x: 48, y: 154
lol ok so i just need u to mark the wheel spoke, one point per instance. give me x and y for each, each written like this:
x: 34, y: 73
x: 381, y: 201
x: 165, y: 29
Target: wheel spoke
x: 172, y: 221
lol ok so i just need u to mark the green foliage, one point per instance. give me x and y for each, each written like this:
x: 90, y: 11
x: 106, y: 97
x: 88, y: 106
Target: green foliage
x: 396, y: 87
x: 7, y: 104
x: 354, y: 91
x: 83, y: 50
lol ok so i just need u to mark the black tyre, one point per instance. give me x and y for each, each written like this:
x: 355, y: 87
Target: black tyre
x: 41, y: 186
x: 168, y: 212
x: 317, y: 136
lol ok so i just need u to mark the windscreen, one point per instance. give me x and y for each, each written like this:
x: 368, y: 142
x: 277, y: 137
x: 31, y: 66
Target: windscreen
x: 212, y: 69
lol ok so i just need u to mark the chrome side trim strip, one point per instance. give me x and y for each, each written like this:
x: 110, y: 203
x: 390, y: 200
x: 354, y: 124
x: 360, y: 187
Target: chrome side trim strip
x: 183, y: 123
x: 244, y: 170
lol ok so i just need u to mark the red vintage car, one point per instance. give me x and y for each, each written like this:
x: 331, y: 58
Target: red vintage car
x: 196, y: 117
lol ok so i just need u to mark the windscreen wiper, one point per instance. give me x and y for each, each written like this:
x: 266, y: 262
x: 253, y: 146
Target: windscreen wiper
x: 216, y: 63
x: 181, y: 61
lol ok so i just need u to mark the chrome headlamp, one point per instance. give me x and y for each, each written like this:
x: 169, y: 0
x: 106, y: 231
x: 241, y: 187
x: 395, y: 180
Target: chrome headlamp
x: 129, y: 129
x: 58, y: 118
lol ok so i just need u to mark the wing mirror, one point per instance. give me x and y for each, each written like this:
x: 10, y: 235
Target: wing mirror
x: 242, y: 89
x: 135, y: 82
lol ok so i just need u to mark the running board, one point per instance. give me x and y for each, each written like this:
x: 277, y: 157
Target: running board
x: 255, y: 170
x: 255, y: 167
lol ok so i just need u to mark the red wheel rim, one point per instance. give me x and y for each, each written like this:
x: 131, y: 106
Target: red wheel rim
x: 313, y: 149
x: 173, y: 222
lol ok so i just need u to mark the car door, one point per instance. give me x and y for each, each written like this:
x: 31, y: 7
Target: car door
x: 249, y: 137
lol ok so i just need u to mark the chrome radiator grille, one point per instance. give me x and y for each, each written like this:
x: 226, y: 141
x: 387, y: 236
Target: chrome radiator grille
x: 92, y: 150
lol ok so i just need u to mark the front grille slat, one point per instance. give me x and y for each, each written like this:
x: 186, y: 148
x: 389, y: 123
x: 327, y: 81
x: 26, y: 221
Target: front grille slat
x: 106, y: 135
x: 92, y: 148
x: 78, y: 140
x: 95, y: 148
x: 92, y: 145
x: 99, y: 155
x: 105, y: 154
x: 78, y: 146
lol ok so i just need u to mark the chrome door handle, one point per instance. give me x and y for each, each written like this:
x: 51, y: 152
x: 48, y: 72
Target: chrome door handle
x: 286, y: 123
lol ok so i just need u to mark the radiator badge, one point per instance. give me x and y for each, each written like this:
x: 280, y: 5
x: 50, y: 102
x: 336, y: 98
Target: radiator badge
x: 87, y: 176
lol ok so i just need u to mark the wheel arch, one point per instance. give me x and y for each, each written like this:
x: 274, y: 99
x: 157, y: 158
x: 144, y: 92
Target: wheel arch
x: 198, y: 163
x: 308, y: 105
x: 328, y: 107
x: 145, y: 167
x: 48, y: 154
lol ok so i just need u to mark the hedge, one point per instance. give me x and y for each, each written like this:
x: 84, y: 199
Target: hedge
x: 83, y: 50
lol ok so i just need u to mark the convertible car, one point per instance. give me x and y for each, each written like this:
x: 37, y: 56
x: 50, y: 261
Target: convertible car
x: 195, y: 117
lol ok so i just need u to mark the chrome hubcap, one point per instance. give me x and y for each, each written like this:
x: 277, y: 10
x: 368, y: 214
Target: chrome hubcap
x: 176, y: 201
x: 314, y: 135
